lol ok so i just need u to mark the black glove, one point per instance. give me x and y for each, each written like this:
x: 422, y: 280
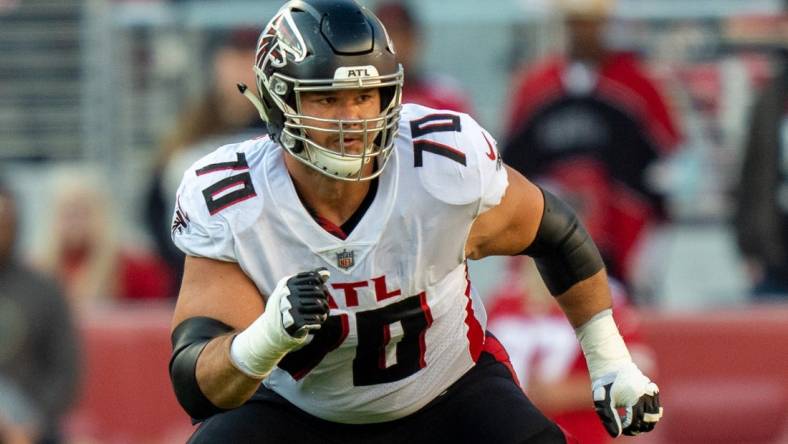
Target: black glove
x: 306, y: 306
x: 636, y: 394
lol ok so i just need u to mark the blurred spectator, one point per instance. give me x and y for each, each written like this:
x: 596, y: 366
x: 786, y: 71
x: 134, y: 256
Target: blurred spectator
x: 84, y: 251
x: 428, y: 89
x: 762, y: 196
x: 38, y: 345
x: 544, y: 351
x: 221, y: 116
x: 592, y: 122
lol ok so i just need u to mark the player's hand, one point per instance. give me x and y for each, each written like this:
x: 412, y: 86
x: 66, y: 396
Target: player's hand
x: 630, y: 390
x: 306, y: 306
x: 297, y: 305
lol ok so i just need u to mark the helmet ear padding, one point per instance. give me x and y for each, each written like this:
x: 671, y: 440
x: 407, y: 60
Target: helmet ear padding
x: 387, y: 94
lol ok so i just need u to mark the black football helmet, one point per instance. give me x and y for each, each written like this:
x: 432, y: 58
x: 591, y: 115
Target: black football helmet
x: 321, y: 45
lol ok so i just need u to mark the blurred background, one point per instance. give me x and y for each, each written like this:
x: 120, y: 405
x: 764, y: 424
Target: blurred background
x: 675, y: 112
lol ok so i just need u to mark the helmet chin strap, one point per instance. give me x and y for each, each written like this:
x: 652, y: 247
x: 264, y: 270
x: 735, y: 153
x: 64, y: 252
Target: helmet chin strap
x: 254, y: 99
x: 337, y: 166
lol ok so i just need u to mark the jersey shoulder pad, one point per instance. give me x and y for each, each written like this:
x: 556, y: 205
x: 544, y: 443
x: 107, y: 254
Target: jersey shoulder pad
x: 457, y: 160
x: 216, y: 198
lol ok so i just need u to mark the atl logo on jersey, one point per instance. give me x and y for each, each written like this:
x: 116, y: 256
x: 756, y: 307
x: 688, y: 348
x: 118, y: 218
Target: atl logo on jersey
x: 346, y: 259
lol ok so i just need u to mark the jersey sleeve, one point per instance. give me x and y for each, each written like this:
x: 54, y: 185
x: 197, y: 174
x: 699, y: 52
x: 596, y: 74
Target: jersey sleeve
x: 494, y: 179
x: 462, y: 165
x: 196, y: 231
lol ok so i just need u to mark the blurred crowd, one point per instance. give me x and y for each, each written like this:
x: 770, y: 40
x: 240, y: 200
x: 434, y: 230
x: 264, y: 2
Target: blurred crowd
x: 600, y: 124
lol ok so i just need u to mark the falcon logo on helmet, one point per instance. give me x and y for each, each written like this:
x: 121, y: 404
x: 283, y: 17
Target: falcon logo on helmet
x: 279, y: 40
x: 319, y: 46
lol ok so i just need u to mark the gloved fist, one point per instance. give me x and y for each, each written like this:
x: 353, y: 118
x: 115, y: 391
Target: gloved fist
x: 297, y: 305
x: 629, y: 389
x: 306, y: 306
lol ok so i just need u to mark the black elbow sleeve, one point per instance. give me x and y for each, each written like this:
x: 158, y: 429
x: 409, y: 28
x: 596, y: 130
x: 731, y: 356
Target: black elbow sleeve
x: 188, y: 340
x: 563, y: 250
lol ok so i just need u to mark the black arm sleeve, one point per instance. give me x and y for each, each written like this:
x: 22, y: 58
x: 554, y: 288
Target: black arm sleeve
x: 563, y: 250
x: 188, y: 341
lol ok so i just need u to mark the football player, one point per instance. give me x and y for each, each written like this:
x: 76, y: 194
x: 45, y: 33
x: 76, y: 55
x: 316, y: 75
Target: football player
x: 326, y: 297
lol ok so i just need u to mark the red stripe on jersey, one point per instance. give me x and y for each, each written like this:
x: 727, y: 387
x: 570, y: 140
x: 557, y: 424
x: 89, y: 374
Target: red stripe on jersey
x: 475, y: 333
x: 345, y: 329
x: 383, y: 350
x: 428, y: 317
x: 494, y: 347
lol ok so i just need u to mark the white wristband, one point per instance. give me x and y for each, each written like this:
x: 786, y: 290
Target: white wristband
x: 257, y: 350
x: 602, y: 345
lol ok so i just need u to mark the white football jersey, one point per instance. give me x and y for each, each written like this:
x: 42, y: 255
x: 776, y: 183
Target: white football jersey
x: 405, y: 322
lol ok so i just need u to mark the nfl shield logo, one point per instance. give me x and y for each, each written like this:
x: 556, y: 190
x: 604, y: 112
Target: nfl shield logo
x: 345, y: 259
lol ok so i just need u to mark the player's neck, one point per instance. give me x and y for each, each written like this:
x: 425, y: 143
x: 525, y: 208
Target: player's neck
x: 334, y: 200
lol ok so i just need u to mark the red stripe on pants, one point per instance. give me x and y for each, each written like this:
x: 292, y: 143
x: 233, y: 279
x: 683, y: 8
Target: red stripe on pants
x: 495, y: 348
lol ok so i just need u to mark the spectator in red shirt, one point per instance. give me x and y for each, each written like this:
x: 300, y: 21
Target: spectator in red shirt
x: 593, y: 122
x: 84, y: 253
x: 428, y: 89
